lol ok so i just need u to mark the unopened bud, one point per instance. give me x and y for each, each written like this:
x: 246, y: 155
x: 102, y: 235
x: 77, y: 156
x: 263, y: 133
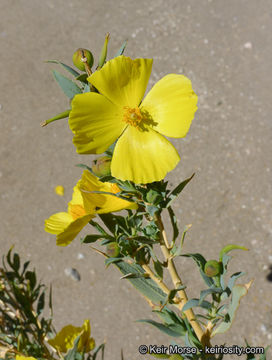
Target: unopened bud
x: 101, y: 166
x: 212, y: 268
x: 82, y: 56
x: 112, y: 249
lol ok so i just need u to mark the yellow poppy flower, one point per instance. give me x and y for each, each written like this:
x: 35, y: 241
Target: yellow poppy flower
x: 83, y: 207
x: 64, y: 340
x: 142, y: 154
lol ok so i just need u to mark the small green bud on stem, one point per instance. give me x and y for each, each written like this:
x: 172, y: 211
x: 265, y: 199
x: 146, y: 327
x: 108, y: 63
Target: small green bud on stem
x: 212, y: 268
x: 112, y: 249
x: 83, y: 60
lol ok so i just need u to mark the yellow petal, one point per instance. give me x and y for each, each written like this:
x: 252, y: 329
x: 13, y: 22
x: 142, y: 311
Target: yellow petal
x: 64, y: 340
x: 65, y: 227
x: 103, y: 203
x: 21, y: 357
x: 123, y: 80
x: 172, y: 105
x: 96, y: 123
x: 143, y: 156
x: 59, y: 190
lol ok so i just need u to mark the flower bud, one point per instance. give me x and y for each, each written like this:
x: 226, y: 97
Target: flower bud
x: 101, y: 166
x: 82, y: 56
x: 212, y: 268
x: 112, y: 249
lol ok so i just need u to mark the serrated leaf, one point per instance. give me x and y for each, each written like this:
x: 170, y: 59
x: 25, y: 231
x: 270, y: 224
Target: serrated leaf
x: 146, y: 286
x: 122, y: 49
x: 66, y: 67
x: 178, y: 189
x: 228, y: 248
x: 238, y: 292
x: 69, y: 88
x: 196, y: 302
x: 171, y: 330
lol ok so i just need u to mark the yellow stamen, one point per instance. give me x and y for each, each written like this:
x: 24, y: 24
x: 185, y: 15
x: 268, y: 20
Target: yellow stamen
x: 133, y: 116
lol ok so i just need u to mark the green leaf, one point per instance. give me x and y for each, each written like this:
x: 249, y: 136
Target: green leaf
x: 146, y: 286
x: 69, y: 88
x: 196, y: 302
x: 178, y: 190
x: 112, y: 260
x: 83, y: 78
x: 201, y: 261
x: 238, y: 292
x: 103, y: 53
x: 122, y: 49
x: 96, y: 351
x: 233, y: 278
x: 60, y: 116
x: 158, y: 268
x: 86, y: 167
x: 228, y: 248
x: 66, y: 67
x: 171, y: 330
x: 88, y: 239
x: 41, y: 302
x: 174, y: 223
x: 73, y: 352
x: 207, y: 292
x: 16, y: 262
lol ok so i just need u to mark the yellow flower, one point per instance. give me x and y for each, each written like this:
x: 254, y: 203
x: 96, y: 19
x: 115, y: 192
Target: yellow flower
x: 64, y: 340
x: 141, y: 154
x: 21, y: 357
x: 83, y: 207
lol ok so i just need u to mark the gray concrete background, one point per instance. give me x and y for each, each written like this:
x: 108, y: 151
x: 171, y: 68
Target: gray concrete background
x: 223, y: 46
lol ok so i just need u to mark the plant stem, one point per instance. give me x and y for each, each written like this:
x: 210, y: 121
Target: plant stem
x: 164, y: 244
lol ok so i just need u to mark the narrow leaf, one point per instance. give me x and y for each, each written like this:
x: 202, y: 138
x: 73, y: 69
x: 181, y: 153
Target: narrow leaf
x: 66, y: 67
x: 60, y: 116
x: 122, y: 49
x: 178, y: 190
x: 90, y: 239
x: 69, y: 88
x: 196, y: 302
x: 173, y: 223
x: 174, y: 331
x: 228, y: 248
x: 238, y: 292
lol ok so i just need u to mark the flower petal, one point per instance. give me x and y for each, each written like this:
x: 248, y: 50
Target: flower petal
x: 96, y: 123
x: 143, y: 156
x: 65, y: 227
x: 123, y: 80
x: 172, y: 105
x: 104, y: 203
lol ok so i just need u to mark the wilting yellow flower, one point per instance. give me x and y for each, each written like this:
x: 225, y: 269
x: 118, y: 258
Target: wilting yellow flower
x: 83, y: 207
x: 21, y: 357
x: 64, y: 339
x: 59, y: 190
x: 141, y: 153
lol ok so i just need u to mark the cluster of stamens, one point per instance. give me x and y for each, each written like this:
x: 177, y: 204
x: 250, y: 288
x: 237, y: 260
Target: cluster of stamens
x: 133, y: 116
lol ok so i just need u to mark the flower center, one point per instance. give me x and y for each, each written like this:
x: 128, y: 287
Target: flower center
x: 133, y: 116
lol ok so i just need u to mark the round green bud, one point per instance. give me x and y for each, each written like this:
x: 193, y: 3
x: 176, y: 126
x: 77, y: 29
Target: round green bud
x: 212, y: 268
x: 112, y: 249
x: 81, y: 56
x: 101, y: 166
